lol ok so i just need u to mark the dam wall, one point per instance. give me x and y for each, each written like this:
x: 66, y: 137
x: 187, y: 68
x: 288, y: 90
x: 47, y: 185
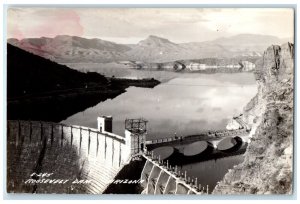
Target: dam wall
x: 159, y: 177
x: 47, y: 157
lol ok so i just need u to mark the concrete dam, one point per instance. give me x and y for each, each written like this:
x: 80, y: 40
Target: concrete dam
x: 46, y: 157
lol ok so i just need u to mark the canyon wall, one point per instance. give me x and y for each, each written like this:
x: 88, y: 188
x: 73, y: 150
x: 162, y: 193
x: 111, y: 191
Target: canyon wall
x: 268, y: 164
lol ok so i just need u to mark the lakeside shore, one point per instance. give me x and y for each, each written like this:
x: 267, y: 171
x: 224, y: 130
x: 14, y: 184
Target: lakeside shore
x: 59, y: 104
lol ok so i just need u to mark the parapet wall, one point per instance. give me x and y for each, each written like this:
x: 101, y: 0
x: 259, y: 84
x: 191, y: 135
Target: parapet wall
x: 66, y: 153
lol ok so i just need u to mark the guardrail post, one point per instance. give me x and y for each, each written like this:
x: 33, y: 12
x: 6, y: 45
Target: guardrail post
x: 105, y: 146
x: 120, y: 154
x: 98, y: 144
x: 80, y: 140
x: 89, y: 141
x: 71, y: 135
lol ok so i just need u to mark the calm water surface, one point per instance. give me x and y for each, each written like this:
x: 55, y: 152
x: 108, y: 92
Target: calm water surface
x: 185, y: 104
x: 211, y: 171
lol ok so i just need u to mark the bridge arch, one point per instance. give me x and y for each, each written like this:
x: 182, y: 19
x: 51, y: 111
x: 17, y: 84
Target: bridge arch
x: 230, y: 143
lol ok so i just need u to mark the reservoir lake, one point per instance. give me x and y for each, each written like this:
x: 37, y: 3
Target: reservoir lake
x: 183, y: 104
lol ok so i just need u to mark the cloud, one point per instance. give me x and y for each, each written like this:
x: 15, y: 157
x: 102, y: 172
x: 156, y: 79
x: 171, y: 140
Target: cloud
x: 23, y: 22
x: 133, y: 24
x: 216, y: 109
x: 271, y: 21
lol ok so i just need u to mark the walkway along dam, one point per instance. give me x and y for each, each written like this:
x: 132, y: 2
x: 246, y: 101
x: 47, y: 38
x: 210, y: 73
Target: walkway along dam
x: 45, y: 157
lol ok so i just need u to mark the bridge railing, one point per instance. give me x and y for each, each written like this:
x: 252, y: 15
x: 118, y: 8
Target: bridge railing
x: 210, y: 135
x: 163, y: 140
x: 181, y: 177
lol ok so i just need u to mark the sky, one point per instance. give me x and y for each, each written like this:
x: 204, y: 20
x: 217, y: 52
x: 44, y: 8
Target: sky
x: 130, y: 25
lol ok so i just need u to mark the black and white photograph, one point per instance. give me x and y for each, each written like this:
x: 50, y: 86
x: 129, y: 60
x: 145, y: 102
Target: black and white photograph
x: 149, y: 100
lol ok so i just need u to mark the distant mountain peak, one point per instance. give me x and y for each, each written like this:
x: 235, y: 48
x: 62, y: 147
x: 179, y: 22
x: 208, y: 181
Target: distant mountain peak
x: 253, y: 35
x: 12, y: 41
x: 249, y: 37
x: 153, y: 40
x: 64, y: 36
x: 155, y: 37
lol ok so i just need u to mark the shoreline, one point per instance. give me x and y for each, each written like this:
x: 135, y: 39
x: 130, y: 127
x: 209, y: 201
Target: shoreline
x: 58, y: 105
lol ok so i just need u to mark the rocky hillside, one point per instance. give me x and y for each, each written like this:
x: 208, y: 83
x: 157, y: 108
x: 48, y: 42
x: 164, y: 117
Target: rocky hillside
x: 64, y: 48
x: 67, y: 49
x: 31, y: 74
x: 268, y: 164
x: 40, y: 89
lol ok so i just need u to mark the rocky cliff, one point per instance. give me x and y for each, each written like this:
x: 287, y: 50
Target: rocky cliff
x: 268, y: 164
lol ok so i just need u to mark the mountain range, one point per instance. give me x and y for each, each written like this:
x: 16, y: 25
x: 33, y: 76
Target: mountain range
x: 65, y: 49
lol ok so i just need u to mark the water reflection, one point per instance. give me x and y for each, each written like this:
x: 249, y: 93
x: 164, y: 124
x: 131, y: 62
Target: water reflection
x: 185, y: 104
x: 212, y: 171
